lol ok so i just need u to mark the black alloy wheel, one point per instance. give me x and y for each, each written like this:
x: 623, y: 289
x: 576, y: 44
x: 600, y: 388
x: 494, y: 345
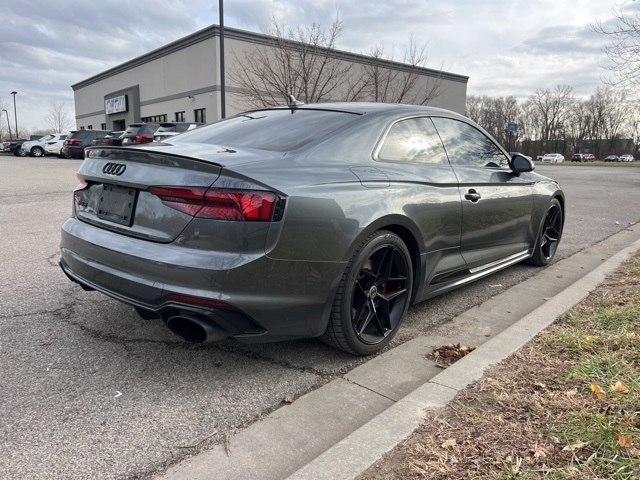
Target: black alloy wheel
x: 549, y: 236
x: 373, y: 296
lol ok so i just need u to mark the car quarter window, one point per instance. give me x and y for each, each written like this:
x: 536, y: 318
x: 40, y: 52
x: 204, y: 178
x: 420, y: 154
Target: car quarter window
x: 413, y: 140
x: 468, y: 146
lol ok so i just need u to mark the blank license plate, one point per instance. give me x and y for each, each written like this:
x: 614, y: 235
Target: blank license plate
x: 116, y: 204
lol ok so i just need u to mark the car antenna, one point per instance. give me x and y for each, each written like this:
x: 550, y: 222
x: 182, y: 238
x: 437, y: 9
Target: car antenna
x: 293, y: 103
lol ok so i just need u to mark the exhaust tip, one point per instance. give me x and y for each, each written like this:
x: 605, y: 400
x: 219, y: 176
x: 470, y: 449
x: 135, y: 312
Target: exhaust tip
x: 195, y: 329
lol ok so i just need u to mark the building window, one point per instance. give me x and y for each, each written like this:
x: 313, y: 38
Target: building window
x: 179, y: 116
x: 200, y: 115
x: 89, y: 127
x: 155, y: 119
x: 81, y: 128
x: 103, y: 126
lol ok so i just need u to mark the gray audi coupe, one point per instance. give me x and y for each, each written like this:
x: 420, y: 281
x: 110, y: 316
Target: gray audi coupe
x: 320, y: 220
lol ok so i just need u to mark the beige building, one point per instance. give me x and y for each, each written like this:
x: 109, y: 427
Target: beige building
x: 181, y: 81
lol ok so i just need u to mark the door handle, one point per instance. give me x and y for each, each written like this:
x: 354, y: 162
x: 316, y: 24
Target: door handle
x: 472, y: 195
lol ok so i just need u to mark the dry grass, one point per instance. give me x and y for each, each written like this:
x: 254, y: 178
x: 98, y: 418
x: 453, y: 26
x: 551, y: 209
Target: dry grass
x: 567, y: 406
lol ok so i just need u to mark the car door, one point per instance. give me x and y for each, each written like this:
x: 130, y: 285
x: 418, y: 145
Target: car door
x: 412, y: 156
x: 496, y: 203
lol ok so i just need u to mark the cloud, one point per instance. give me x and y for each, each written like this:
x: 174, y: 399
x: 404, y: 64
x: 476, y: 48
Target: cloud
x: 505, y: 47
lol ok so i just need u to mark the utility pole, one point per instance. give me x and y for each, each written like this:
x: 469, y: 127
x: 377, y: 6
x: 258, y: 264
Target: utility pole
x: 223, y: 113
x: 15, y: 112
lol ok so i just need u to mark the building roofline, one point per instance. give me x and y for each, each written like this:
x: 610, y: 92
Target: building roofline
x: 250, y: 37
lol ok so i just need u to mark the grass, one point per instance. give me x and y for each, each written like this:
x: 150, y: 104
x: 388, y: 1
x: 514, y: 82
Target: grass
x: 567, y: 406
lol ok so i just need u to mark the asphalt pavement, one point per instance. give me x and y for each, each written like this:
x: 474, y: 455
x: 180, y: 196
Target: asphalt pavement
x: 342, y: 428
x: 89, y: 390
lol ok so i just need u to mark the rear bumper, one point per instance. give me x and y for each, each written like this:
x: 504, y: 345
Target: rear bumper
x: 268, y: 299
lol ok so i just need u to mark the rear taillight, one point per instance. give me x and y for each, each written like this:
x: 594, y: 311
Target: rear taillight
x: 51, y: 143
x: 83, y: 183
x: 242, y: 205
x: 144, y: 138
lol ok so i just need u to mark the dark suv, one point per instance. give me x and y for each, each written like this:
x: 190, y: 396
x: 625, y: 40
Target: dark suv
x: 78, y: 140
x: 139, y: 133
x: 577, y: 157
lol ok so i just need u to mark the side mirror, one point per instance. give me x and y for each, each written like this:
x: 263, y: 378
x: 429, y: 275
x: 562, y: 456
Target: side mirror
x: 521, y: 164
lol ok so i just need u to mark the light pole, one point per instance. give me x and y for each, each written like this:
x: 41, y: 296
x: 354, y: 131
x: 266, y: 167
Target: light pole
x: 15, y: 112
x: 223, y: 113
x: 8, y: 124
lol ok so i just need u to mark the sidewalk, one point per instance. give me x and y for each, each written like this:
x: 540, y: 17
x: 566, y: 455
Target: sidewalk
x: 339, y: 430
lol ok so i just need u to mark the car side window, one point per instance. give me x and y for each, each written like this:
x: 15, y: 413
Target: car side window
x: 468, y: 146
x: 413, y: 140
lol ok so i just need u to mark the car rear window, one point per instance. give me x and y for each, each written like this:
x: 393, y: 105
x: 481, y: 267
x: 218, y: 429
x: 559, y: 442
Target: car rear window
x: 275, y: 130
x: 80, y: 134
x: 149, y: 128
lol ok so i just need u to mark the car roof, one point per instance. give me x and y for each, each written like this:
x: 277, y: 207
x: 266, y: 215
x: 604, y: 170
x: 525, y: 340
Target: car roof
x: 365, y: 107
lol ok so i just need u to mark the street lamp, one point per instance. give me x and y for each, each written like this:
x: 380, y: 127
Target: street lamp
x: 15, y: 112
x: 8, y: 124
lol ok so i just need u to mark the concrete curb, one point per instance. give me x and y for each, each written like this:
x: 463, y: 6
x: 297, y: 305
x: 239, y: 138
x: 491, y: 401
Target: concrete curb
x: 359, y: 450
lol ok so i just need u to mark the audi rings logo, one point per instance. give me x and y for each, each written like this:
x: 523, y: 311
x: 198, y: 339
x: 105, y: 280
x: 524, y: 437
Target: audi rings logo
x: 114, y: 168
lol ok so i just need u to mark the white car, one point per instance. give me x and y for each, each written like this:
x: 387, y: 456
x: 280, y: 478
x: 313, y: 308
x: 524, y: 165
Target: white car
x: 54, y: 146
x: 627, y: 158
x: 553, y: 158
x: 37, y: 148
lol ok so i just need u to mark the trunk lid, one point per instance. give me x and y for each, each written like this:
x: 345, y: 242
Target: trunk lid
x: 115, y: 191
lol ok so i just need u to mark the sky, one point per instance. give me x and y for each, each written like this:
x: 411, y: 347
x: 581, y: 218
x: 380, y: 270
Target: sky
x: 505, y: 47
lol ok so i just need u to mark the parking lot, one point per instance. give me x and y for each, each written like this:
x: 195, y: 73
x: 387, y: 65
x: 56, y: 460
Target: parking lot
x: 90, y: 390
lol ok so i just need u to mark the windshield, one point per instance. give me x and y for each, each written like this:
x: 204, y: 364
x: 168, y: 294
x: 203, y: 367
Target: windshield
x: 275, y: 130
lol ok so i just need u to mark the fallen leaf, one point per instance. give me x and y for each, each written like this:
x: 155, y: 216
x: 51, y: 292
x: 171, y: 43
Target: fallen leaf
x: 288, y: 399
x: 599, y: 393
x: 631, y: 335
x: 571, y: 393
x: 619, y: 388
x: 625, y: 441
x: 450, y: 442
x: 446, y: 355
x: 572, y: 447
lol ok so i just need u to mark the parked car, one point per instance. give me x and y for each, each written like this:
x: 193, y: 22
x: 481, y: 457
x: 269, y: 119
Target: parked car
x: 36, y: 148
x: 577, y: 157
x: 15, y: 146
x: 588, y: 157
x: 78, y: 140
x: 553, y: 158
x: 313, y: 220
x: 54, y: 146
x: 171, y: 129
x: 612, y: 158
x: 138, y: 133
x: 627, y: 158
x: 112, y: 138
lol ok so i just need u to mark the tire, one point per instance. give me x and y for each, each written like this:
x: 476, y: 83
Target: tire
x: 37, y: 152
x: 548, y: 236
x: 369, y: 307
x: 20, y: 153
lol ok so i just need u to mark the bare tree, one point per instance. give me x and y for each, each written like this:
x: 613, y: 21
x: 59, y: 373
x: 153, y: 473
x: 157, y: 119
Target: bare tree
x: 57, y: 119
x: 304, y: 62
x: 385, y: 80
x: 494, y: 115
x: 551, y: 109
x: 624, y: 50
x: 296, y: 62
x: 578, y: 124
